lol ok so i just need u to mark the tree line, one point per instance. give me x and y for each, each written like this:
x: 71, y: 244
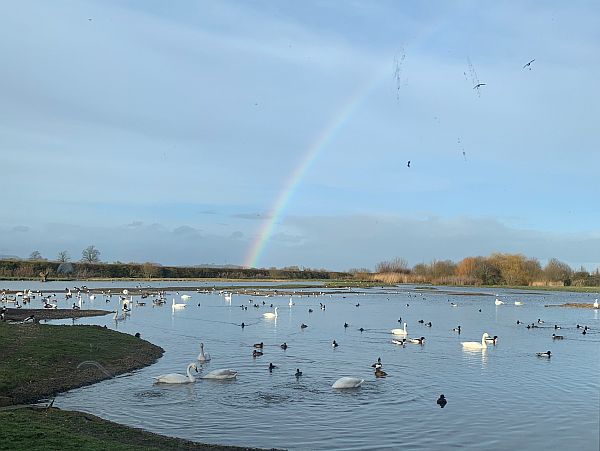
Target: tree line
x: 496, y: 269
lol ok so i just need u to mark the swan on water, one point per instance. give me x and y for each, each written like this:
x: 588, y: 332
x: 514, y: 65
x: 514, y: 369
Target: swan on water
x: 498, y: 302
x: 185, y: 297
x: 400, y: 331
x: 203, y: 357
x: 272, y: 314
x: 475, y: 344
x: 177, y: 306
x: 348, y: 382
x: 220, y: 374
x: 291, y: 302
x: 596, y: 304
x: 492, y: 340
x: 174, y: 378
x: 518, y: 303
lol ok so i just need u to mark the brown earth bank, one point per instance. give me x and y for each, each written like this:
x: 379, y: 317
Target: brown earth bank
x: 571, y: 305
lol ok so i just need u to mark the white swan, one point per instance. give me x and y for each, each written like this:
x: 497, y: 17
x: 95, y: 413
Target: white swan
x: 348, y: 382
x: 228, y: 297
x: 270, y: 315
x: 498, y: 302
x: 220, y: 374
x: 185, y: 297
x: 291, y: 302
x: 518, y: 303
x: 596, y: 303
x: 174, y: 378
x: 400, y: 331
x: 475, y: 344
x: 177, y: 306
x: 202, y: 357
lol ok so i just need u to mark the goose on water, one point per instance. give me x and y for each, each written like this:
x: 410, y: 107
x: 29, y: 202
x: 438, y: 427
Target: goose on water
x: 348, y: 382
x: 475, y: 344
x: 174, y: 378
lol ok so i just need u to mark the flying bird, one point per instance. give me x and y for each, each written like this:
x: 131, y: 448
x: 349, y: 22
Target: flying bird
x: 528, y: 64
x: 408, y: 164
x: 478, y: 85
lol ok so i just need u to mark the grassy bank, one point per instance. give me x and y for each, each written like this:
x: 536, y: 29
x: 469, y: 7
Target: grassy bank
x: 54, y: 429
x: 38, y: 361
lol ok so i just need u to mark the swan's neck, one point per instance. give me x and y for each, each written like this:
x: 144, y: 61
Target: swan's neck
x: 483, y: 343
x: 189, y: 372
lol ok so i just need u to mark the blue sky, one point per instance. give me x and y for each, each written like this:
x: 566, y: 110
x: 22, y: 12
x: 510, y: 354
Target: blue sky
x: 166, y: 131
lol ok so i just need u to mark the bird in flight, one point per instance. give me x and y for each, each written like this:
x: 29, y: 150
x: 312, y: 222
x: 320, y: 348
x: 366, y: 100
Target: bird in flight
x: 478, y: 85
x: 528, y: 64
x: 408, y: 164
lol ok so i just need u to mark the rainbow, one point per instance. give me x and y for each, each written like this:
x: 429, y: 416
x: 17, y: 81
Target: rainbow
x: 323, y: 139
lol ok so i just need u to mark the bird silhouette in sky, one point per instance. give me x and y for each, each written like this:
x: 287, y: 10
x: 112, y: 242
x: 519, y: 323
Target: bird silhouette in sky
x: 478, y: 85
x: 528, y: 64
x: 408, y: 164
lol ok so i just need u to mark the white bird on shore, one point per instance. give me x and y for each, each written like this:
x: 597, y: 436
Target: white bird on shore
x: 348, y: 382
x: 400, y: 331
x: 475, y: 344
x: 174, y: 378
x: 221, y: 374
x: 271, y: 315
x: 203, y: 357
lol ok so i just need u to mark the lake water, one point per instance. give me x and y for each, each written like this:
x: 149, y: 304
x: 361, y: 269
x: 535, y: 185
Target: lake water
x: 503, y: 398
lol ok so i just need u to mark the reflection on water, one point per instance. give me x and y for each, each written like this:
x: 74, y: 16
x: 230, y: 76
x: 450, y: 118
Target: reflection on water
x: 503, y: 397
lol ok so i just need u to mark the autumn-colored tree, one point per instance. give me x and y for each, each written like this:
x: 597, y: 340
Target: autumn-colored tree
x: 557, y: 271
x: 466, y: 267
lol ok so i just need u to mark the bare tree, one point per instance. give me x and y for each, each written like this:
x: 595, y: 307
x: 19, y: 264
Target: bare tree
x: 90, y: 255
x: 35, y: 255
x: 63, y: 256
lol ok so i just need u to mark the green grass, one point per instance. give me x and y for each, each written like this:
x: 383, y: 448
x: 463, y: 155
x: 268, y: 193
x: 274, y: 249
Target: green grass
x: 37, y: 360
x: 54, y: 429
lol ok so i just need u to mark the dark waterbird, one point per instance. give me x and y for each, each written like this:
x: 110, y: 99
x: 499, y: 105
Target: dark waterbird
x: 442, y: 401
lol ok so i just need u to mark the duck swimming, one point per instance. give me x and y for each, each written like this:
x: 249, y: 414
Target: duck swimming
x: 256, y: 353
x: 258, y: 345
x: 298, y: 372
x: 377, y: 364
x: 442, y: 401
x: 334, y: 344
x: 546, y: 354
x: 283, y: 346
x: 557, y: 337
x: 380, y: 373
x: 417, y: 341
